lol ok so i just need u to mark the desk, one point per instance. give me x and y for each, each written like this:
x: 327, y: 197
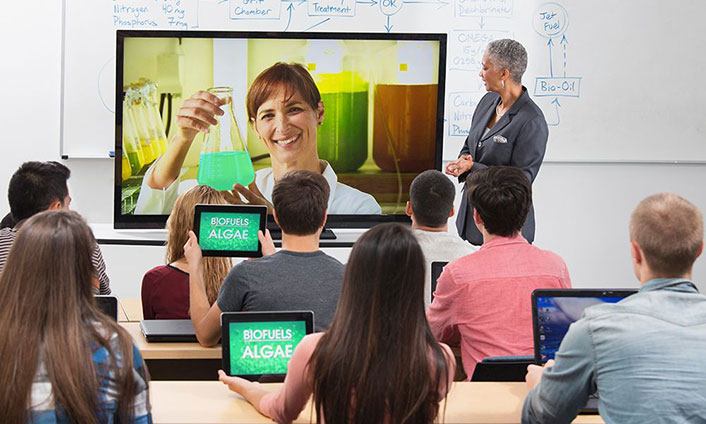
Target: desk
x: 176, y: 361
x: 130, y: 310
x: 211, y: 402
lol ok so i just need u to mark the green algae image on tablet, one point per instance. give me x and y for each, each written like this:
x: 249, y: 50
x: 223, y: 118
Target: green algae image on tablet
x: 263, y: 347
x: 228, y: 231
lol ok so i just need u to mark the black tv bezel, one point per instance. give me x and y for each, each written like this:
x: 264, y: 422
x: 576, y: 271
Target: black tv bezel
x: 121, y: 221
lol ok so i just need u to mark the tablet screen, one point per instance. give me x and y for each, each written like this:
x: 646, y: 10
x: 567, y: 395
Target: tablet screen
x: 229, y: 230
x: 256, y: 346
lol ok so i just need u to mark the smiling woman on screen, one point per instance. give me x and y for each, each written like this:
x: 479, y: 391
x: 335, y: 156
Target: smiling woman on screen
x: 284, y: 108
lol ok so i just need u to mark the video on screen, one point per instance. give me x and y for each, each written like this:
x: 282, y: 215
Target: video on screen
x: 378, y: 128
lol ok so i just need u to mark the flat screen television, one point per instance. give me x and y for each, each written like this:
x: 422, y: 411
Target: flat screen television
x: 383, y: 100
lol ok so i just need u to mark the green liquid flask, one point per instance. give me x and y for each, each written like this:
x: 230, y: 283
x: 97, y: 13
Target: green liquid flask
x: 224, y: 158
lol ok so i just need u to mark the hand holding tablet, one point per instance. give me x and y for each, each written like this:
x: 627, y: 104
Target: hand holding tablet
x: 230, y: 230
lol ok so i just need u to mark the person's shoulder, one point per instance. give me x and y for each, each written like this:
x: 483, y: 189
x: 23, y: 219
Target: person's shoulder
x: 530, y: 109
x: 7, y: 234
x: 329, y: 259
x: 548, y: 256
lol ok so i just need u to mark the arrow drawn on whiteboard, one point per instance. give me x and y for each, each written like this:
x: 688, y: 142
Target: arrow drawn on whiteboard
x: 388, y: 27
x: 481, y: 24
x: 564, y: 42
x: 100, y: 77
x: 315, y: 25
x: 289, y: 18
x: 371, y: 2
x: 557, y: 105
x: 550, y: 43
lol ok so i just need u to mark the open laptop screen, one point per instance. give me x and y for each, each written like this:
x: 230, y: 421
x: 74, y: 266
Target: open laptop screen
x: 260, y: 344
x: 553, y: 311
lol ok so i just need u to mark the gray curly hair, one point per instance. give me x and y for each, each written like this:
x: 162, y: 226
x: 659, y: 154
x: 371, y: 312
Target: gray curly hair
x: 508, y: 54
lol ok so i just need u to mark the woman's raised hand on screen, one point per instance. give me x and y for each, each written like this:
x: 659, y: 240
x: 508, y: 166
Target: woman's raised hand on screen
x: 197, y: 114
x: 460, y: 166
x: 251, y: 194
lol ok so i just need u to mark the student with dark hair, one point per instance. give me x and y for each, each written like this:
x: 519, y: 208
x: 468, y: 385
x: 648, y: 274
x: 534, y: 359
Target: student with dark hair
x: 36, y: 187
x: 484, y: 298
x: 430, y: 205
x: 63, y: 360
x: 378, y: 362
x: 298, y: 277
x: 645, y: 354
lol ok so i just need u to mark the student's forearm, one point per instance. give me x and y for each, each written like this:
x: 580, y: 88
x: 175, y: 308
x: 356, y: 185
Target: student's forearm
x: 253, y: 393
x: 199, y: 307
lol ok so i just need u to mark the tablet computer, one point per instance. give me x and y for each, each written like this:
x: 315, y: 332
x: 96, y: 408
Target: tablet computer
x: 257, y: 346
x: 230, y: 230
x: 108, y: 305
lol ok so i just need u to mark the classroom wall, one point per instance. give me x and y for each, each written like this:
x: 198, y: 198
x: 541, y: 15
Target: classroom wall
x: 582, y: 209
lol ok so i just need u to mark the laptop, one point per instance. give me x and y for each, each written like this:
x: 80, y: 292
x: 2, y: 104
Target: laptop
x: 108, y: 305
x: 436, y: 270
x: 168, y: 330
x: 257, y: 346
x: 553, y: 311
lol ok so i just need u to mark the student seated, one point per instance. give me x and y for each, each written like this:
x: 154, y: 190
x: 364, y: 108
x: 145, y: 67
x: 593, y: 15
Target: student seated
x: 379, y: 361
x: 62, y: 359
x: 36, y: 187
x: 165, y: 288
x: 483, y: 299
x: 430, y: 205
x: 645, y: 354
x: 298, y: 277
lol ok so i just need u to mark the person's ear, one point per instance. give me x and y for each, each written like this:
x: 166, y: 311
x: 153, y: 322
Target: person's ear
x: 323, y: 224
x: 636, y: 253
x: 320, y: 113
x: 274, y: 216
x: 55, y: 205
x: 408, y: 209
x: 453, y: 211
x: 477, y: 219
x: 701, y: 249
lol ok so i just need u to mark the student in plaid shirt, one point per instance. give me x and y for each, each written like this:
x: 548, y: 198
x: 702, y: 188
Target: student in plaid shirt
x: 63, y: 361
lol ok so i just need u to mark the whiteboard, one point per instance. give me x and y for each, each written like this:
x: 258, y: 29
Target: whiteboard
x: 616, y: 80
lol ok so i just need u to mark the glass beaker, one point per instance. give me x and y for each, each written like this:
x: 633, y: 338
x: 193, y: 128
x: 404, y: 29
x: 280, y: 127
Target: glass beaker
x: 224, y: 158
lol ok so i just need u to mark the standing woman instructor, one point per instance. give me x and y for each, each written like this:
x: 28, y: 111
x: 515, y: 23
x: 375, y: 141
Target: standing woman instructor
x: 507, y: 128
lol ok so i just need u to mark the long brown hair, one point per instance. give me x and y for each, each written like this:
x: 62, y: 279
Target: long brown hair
x: 379, y: 361
x: 47, y: 311
x: 181, y: 221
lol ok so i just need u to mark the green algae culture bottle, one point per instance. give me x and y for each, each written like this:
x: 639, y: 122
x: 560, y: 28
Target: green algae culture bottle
x: 224, y: 158
x: 342, y: 139
x: 131, y: 143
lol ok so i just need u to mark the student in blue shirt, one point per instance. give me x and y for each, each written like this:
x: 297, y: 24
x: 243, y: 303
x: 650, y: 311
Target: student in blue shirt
x: 645, y: 354
x: 63, y: 361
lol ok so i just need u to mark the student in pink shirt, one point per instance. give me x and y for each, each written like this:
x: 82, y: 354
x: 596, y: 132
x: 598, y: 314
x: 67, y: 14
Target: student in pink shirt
x: 483, y: 300
x: 379, y: 361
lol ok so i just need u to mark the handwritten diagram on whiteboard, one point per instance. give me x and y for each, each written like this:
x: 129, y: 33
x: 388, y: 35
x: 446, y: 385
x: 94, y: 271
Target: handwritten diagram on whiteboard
x: 89, y: 48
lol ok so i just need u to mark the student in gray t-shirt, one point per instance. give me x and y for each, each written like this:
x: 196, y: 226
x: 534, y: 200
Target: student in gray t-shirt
x: 298, y: 277
x: 285, y: 281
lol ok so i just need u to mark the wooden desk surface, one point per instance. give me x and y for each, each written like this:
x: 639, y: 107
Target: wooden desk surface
x: 169, y: 350
x: 210, y: 402
x: 130, y: 310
